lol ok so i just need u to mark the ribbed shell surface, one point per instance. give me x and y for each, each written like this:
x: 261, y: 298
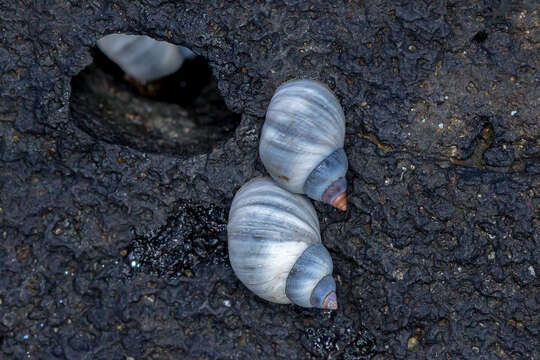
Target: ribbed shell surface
x: 140, y: 56
x: 304, y: 124
x: 269, y: 228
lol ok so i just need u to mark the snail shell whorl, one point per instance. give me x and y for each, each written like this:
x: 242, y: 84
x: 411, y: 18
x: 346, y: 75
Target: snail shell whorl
x: 327, y: 181
x: 309, y: 281
x: 275, y: 246
x: 304, y: 126
x: 142, y: 57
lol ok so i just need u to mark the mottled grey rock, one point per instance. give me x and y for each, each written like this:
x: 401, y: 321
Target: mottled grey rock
x: 433, y: 258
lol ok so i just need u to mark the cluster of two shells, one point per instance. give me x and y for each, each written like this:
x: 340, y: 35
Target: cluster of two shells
x: 274, y: 238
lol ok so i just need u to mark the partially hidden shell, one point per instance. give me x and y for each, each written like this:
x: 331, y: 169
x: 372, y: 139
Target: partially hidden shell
x: 142, y: 57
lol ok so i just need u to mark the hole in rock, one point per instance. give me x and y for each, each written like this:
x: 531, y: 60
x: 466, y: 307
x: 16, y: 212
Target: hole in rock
x: 480, y: 37
x: 179, y: 113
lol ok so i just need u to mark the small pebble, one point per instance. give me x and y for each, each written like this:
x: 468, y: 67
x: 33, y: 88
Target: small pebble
x: 412, y: 342
x: 513, y: 112
x: 227, y: 303
x: 531, y: 271
x: 441, y: 125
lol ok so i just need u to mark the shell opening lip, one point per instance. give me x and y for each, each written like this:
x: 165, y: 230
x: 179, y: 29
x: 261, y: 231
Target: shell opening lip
x: 336, y: 194
x: 340, y: 202
x: 330, y: 301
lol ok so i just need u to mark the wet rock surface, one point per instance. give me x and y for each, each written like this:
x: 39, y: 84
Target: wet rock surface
x: 437, y: 256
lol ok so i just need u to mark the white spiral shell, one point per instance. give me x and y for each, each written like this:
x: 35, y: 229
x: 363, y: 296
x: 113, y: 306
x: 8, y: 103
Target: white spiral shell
x: 304, y: 127
x: 142, y: 57
x: 275, y: 246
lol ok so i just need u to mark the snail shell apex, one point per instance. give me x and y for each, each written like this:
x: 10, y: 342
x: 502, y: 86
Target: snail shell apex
x: 302, y: 141
x: 275, y: 246
x: 142, y: 57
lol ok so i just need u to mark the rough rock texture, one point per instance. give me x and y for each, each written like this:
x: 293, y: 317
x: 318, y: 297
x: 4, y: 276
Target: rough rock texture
x: 436, y: 258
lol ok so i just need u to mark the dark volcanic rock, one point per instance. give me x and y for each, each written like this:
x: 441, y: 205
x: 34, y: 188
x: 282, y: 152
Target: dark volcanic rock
x: 192, y: 234
x: 437, y: 256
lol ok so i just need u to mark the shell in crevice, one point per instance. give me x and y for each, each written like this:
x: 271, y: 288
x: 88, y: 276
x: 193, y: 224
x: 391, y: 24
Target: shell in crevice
x: 142, y: 57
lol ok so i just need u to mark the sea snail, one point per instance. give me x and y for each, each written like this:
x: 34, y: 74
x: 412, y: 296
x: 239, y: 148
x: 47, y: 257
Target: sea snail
x: 302, y: 140
x: 275, y: 246
x: 142, y: 57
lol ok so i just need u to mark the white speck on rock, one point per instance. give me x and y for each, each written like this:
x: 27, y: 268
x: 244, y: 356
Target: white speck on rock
x: 387, y: 182
x: 513, y: 112
x: 441, y: 125
x: 398, y: 274
x: 531, y: 271
x: 227, y: 303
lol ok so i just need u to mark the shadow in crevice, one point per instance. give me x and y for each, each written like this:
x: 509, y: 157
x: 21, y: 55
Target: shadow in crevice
x: 181, y: 114
x: 484, y: 141
x: 480, y: 37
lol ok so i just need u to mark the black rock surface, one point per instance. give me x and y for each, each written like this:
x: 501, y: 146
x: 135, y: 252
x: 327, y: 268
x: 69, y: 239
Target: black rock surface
x: 436, y: 258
